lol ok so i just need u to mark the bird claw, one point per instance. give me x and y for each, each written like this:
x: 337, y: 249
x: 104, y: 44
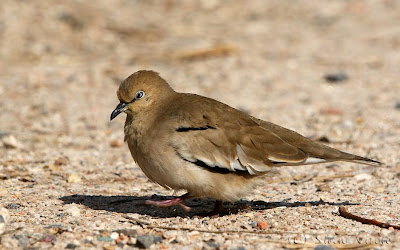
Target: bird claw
x: 171, y: 202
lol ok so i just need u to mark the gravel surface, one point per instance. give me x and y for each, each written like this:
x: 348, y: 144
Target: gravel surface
x: 327, y: 69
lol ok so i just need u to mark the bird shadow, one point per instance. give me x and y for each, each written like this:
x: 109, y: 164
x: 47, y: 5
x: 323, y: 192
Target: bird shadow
x: 137, y: 204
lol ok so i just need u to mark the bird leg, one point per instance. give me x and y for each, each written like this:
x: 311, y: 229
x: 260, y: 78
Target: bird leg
x: 218, y: 208
x: 172, y: 202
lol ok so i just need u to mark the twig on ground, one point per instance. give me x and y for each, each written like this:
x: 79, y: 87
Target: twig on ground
x: 213, y: 51
x: 344, y: 213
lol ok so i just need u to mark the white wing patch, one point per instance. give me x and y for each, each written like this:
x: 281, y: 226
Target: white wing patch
x: 308, y: 161
x: 252, y: 166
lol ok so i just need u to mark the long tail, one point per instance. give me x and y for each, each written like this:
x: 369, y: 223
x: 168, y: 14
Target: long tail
x: 363, y: 160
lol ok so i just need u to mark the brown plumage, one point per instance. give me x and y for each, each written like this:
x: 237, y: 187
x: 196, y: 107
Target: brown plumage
x: 186, y: 141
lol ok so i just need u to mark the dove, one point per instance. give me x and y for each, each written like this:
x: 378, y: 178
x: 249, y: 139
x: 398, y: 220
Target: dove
x: 189, y: 142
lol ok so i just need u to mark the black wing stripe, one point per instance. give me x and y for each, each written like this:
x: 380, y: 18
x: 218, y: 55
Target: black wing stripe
x: 214, y: 169
x: 186, y: 129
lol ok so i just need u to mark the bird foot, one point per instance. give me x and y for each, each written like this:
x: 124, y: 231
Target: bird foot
x: 171, y: 202
x: 216, y: 212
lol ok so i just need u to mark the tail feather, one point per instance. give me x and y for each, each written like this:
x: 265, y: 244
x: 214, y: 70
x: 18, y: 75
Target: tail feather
x: 365, y: 161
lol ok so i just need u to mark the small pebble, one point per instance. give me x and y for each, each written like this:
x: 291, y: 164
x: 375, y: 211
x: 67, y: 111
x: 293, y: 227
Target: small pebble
x: 336, y: 77
x: 239, y: 248
x: 71, y: 246
x: 261, y: 225
x: 74, y: 178
x: 107, y: 239
x: 397, y: 105
x: 331, y: 111
x: 323, y: 139
x: 4, y: 217
x: 363, y: 177
x: 55, y: 229
x: 48, y: 238
x: 211, y: 243
x: 115, y: 143
x: 11, y: 142
x: 323, y: 187
x: 61, y: 161
x: 324, y: 247
x: 114, y: 235
x: 13, y: 206
x: 145, y: 241
x: 379, y: 190
x: 73, y: 210
x: 127, y: 232
x: 347, y: 124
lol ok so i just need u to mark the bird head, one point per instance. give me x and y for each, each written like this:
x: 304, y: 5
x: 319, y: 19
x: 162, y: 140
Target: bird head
x: 139, y: 92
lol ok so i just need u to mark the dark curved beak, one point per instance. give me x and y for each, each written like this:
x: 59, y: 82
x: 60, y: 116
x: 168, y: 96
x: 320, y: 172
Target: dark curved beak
x: 121, y: 107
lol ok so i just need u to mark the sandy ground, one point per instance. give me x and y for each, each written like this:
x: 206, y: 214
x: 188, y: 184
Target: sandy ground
x: 67, y: 180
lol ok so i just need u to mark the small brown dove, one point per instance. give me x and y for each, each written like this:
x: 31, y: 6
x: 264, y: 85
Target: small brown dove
x: 190, y: 142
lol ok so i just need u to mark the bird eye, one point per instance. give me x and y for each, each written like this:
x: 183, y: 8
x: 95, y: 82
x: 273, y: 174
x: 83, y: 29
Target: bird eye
x: 139, y: 94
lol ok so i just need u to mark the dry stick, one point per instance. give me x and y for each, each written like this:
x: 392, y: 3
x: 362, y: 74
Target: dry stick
x: 343, y: 212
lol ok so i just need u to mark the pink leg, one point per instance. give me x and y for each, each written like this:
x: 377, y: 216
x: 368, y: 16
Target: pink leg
x: 171, y: 202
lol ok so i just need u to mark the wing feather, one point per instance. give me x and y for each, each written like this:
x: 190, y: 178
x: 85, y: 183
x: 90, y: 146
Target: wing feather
x: 222, y: 137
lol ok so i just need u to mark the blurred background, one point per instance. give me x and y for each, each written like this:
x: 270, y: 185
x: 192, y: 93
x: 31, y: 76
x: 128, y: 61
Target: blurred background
x: 323, y: 68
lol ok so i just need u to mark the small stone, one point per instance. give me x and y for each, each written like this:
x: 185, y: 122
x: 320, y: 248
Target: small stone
x: 115, y: 143
x: 397, y: 105
x: 363, y: 177
x: 145, y: 241
x: 331, y: 111
x: 211, y: 243
x: 3, y: 191
x: 347, y: 124
x: 4, y: 217
x: 340, y: 232
x: 261, y: 225
x: 107, y: 239
x: 379, y: 190
x: 114, y: 235
x: 239, y: 248
x: 48, y: 238
x: 324, y: 187
x: 13, y: 205
x: 73, y: 210
x: 23, y: 240
x: 71, y: 246
x: 55, y: 229
x: 61, y: 161
x: 11, y: 142
x: 324, y: 247
x: 127, y: 232
x: 74, y: 178
x: 323, y: 139
x: 71, y: 20
x: 336, y: 77
x: 108, y: 247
